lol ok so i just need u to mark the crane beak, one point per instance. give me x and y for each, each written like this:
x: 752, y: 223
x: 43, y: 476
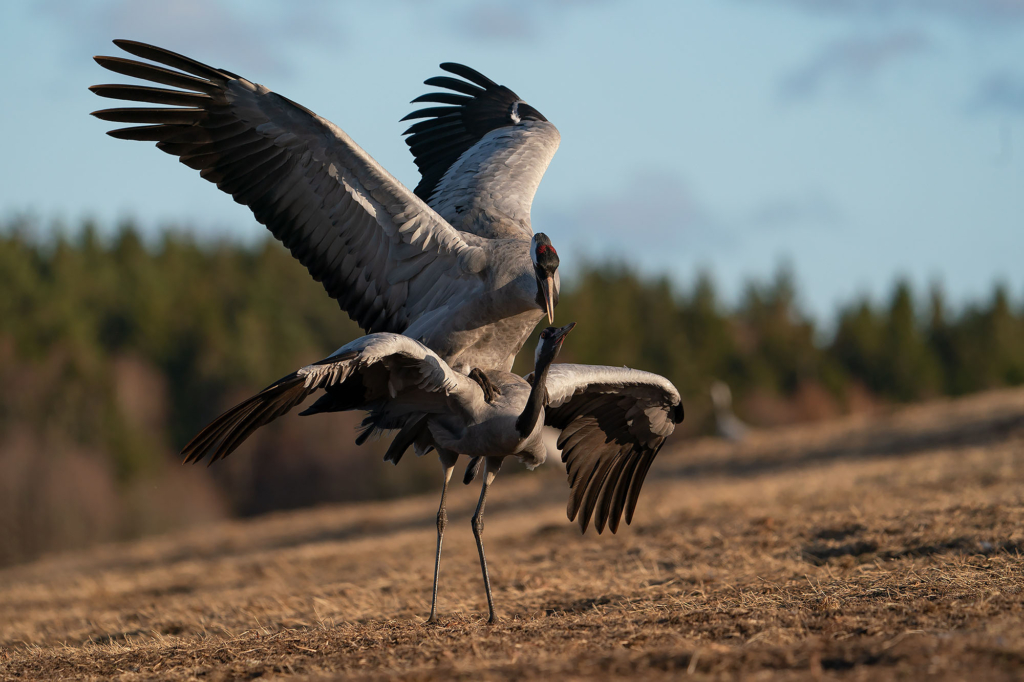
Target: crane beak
x: 548, y: 288
x: 560, y: 334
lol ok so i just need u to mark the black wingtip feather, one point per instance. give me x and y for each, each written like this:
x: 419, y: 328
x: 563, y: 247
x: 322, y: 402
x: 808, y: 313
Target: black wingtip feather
x: 455, y: 84
x: 469, y: 74
x: 155, y: 115
x: 430, y: 112
x: 141, y: 93
x: 156, y: 74
x: 153, y: 133
x: 443, y: 98
x: 451, y: 123
x: 172, y: 59
x: 224, y: 434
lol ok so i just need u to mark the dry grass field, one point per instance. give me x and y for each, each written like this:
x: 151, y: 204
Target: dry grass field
x: 872, y: 548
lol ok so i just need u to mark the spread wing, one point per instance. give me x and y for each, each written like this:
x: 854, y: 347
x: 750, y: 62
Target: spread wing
x: 377, y: 248
x: 372, y: 368
x: 482, y: 155
x: 614, y: 421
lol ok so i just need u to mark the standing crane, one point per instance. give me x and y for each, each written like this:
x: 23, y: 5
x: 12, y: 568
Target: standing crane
x: 613, y: 421
x: 727, y: 424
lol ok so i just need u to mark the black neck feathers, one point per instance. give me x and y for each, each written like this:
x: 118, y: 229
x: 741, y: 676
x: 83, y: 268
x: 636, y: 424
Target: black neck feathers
x: 538, y: 398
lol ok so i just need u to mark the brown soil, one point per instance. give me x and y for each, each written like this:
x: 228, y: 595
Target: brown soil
x: 872, y: 548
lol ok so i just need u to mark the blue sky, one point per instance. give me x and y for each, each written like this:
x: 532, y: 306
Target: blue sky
x: 858, y: 140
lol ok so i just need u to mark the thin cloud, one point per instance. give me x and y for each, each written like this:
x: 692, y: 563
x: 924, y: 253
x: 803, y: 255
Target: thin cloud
x: 649, y: 211
x: 976, y: 13
x: 217, y: 31
x: 853, y: 62
x: 497, y: 21
x: 660, y: 215
x: 516, y: 21
x: 1002, y: 91
x: 813, y: 209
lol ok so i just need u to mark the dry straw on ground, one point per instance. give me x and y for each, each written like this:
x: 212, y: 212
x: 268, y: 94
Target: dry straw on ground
x: 866, y: 549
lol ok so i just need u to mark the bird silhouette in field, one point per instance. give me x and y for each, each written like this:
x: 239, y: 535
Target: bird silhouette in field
x: 613, y: 421
x: 727, y: 424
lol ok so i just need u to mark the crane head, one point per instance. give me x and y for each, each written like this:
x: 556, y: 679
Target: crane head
x: 550, y: 343
x: 545, y: 266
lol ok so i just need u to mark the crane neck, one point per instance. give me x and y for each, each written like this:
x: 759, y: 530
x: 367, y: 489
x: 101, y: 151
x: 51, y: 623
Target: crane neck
x: 527, y: 421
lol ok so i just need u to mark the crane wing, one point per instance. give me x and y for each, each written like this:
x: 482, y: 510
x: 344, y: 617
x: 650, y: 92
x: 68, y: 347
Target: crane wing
x: 372, y: 368
x: 377, y: 248
x: 482, y: 155
x: 613, y: 421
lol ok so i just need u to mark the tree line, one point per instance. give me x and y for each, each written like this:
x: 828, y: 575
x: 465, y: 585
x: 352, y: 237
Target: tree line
x: 114, y: 351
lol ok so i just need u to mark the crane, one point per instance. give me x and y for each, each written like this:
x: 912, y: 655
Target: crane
x: 613, y: 421
x: 463, y: 274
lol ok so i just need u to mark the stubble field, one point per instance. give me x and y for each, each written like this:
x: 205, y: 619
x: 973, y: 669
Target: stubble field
x: 871, y: 548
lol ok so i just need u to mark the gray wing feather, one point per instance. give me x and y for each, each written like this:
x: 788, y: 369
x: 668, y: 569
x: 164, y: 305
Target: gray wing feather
x: 432, y: 373
x: 613, y: 423
x: 353, y: 225
x: 384, y: 364
x: 489, y: 190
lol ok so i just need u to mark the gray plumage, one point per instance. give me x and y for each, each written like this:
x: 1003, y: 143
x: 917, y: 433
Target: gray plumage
x: 489, y: 190
x: 613, y: 421
x: 472, y: 292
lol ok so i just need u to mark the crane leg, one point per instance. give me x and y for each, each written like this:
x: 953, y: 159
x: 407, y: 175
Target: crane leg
x: 448, y: 460
x: 491, y: 466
